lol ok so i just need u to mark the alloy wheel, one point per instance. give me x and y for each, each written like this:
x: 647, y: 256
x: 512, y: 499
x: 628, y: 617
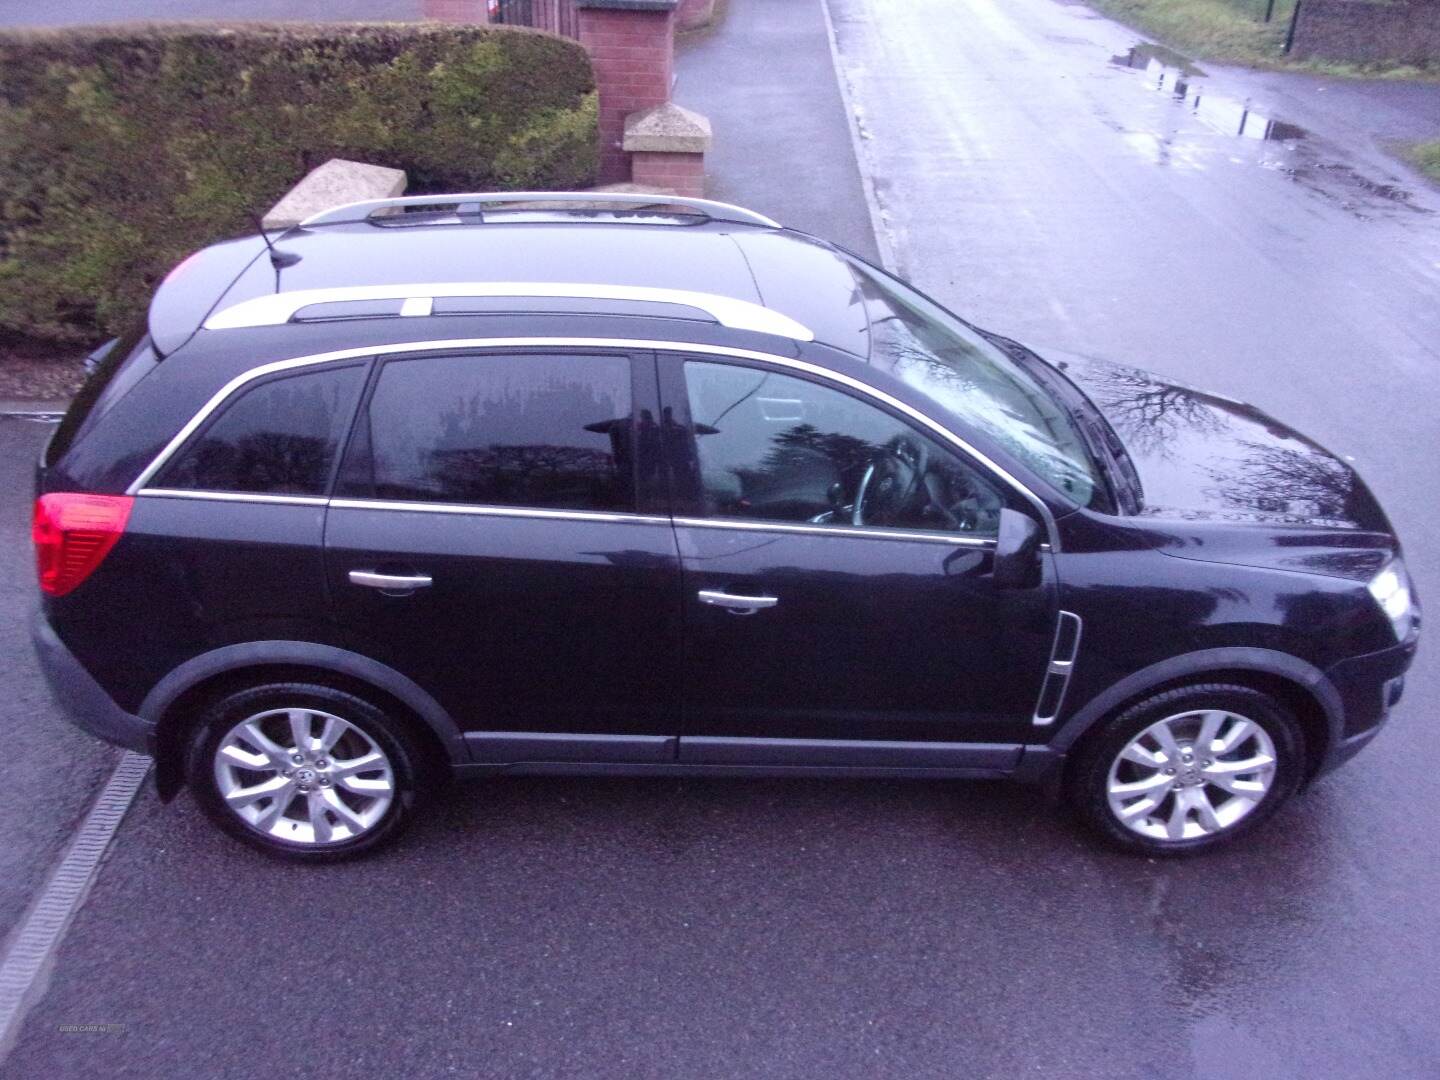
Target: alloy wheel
x: 303, y: 775
x: 1191, y: 775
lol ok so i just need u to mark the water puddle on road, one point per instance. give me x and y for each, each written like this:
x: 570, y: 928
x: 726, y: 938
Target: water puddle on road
x: 1292, y: 153
x: 1171, y: 73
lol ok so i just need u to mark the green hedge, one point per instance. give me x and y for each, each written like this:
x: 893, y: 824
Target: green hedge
x: 122, y: 149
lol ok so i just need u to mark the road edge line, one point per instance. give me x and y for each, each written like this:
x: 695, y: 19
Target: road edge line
x: 883, y: 241
x: 33, y: 946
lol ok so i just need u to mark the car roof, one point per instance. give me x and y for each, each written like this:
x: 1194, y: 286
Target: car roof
x: 601, y: 263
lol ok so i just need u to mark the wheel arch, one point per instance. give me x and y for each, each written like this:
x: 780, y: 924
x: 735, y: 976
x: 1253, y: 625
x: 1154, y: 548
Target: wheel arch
x: 1300, y: 686
x: 173, y: 702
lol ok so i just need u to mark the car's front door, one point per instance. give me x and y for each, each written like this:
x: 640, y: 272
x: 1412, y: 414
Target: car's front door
x: 497, y: 536
x: 840, y: 606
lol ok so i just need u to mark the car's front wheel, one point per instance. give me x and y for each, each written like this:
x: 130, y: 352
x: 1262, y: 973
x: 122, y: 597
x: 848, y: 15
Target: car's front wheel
x: 304, y: 771
x: 1189, y: 768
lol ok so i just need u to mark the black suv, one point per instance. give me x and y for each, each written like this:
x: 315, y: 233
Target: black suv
x: 498, y: 483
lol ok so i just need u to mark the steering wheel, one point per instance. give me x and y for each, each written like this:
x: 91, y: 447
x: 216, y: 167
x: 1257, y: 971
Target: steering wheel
x: 890, y: 481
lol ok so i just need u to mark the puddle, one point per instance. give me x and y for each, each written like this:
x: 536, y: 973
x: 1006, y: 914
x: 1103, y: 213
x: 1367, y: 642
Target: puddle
x: 1351, y: 190
x: 1170, y: 73
x: 1141, y: 57
x: 1296, y: 154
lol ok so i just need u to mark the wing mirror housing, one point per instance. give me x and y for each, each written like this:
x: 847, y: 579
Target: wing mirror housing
x: 1017, y: 552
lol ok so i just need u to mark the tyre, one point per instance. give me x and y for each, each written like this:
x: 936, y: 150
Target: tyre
x: 304, y: 772
x: 1189, y: 768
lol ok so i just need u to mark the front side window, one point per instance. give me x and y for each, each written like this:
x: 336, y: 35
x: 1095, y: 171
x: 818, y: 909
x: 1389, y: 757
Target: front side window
x: 277, y: 438
x: 773, y: 447
x: 551, y: 432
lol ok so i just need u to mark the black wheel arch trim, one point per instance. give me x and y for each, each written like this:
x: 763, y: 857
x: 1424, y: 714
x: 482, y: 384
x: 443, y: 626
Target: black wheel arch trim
x: 1045, y: 760
x: 169, y: 776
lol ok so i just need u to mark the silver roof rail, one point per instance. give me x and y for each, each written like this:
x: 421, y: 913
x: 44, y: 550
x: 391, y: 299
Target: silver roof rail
x: 363, y: 211
x: 275, y: 309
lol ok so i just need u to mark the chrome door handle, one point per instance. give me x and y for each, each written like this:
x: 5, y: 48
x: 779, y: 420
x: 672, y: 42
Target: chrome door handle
x: 390, y: 582
x: 738, y: 605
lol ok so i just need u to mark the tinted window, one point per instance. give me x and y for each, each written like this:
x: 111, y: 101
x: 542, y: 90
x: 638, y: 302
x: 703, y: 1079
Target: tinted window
x: 278, y: 438
x: 535, y: 431
x: 776, y: 448
x: 108, y: 378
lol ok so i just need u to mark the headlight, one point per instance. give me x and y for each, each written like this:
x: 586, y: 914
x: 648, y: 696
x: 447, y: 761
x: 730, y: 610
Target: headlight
x: 1391, y: 590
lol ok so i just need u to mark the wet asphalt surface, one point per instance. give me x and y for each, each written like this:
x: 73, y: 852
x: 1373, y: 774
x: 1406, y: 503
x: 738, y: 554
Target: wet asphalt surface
x: 797, y: 928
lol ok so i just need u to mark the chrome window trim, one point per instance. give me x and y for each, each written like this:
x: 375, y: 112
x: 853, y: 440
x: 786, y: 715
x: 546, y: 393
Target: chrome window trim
x: 485, y: 510
x: 235, y: 496
x: 623, y: 344
x: 276, y: 309
x: 752, y: 525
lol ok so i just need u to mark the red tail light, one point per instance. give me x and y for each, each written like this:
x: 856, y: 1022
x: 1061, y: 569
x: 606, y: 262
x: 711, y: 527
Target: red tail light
x: 73, y: 534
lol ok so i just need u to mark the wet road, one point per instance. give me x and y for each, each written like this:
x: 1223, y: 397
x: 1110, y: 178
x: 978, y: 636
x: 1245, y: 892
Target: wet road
x: 1230, y: 230
x: 796, y: 929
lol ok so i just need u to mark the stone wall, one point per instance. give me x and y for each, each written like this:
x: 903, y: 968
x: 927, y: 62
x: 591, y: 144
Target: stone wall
x: 1358, y: 31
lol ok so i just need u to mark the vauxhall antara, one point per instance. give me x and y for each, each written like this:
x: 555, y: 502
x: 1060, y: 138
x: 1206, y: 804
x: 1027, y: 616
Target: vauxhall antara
x: 483, y: 484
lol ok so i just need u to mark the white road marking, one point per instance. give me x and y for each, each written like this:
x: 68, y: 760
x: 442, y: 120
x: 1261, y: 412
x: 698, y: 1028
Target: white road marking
x: 25, y: 969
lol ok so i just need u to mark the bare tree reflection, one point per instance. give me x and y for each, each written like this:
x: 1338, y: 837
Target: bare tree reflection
x: 1149, y: 415
x: 1292, y: 482
x: 278, y: 439
x: 487, y: 451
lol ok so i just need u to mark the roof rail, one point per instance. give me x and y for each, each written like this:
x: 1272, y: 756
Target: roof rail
x: 275, y: 309
x: 351, y: 213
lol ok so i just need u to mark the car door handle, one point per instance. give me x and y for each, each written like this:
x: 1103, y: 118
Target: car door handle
x: 398, y: 583
x: 738, y: 605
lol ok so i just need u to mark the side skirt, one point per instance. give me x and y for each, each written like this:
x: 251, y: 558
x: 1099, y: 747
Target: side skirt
x: 533, y: 753
x: 675, y: 769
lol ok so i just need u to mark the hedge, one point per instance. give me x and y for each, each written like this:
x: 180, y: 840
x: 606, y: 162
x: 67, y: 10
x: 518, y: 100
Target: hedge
x: 122, y: 149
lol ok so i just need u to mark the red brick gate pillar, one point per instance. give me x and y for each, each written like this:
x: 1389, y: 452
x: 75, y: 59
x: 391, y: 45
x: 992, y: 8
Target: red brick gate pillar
x: 632, y: 45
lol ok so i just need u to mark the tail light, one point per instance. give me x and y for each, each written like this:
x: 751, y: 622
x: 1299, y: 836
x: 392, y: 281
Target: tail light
x: 73, y: 534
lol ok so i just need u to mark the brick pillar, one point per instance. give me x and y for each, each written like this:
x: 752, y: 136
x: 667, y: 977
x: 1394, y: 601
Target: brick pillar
x: 632, y: 46
x: 667, y: 146
x: 456, y: 11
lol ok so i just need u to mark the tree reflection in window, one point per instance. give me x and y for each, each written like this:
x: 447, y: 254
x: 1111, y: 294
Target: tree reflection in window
x: 532, y: 431
x: 279, y: 438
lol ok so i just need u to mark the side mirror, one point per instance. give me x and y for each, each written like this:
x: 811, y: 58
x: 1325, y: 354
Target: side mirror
x: 1017, y: 552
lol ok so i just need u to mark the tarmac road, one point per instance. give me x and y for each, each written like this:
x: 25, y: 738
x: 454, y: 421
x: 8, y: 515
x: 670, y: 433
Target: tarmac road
x: 633, y: 928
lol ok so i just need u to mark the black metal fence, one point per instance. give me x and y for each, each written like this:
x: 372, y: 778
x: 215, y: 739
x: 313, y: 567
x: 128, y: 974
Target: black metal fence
x: 557, y: 16
x: 1264, y: 10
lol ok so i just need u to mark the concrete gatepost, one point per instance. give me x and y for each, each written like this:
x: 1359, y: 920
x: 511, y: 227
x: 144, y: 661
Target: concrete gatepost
x: 694, y: 14
x: 334, y: 183
x: 632, y: 46
x: 667, y: 146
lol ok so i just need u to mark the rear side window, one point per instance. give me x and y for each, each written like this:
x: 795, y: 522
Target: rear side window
x: 277, y: 438
x: 550, y: 432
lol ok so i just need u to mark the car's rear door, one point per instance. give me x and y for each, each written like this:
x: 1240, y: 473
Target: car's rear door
x: 498, y: 535
x: 816, y: 635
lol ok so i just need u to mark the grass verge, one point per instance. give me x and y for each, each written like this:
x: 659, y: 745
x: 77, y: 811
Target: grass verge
x: 1426, y: 157
x: 1233, y: 31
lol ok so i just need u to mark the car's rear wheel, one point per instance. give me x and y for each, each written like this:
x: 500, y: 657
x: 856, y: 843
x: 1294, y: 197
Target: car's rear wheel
x: 304, y: 771
x: 1189, y: 768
